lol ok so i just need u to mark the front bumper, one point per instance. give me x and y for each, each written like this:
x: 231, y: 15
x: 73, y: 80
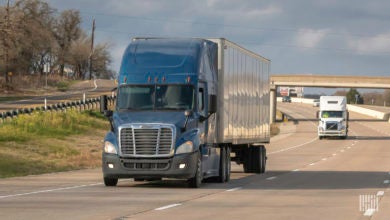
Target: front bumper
x: 334, y: 133
x: 114, y: 166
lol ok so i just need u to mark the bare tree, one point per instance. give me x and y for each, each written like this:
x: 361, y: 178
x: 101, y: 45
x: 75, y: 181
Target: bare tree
x: 35, y: 40
x: 66, y: 30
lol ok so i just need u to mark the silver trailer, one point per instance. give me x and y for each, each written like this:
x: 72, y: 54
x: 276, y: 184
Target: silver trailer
x: 243, y: 114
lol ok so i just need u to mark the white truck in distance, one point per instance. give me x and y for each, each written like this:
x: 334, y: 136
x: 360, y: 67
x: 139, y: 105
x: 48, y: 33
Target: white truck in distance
x: 333, y: 117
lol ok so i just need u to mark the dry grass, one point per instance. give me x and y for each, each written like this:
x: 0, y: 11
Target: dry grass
x: 33, y: 145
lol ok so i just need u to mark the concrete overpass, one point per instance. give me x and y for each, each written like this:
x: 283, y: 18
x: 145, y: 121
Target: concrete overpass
x: 323, y: 81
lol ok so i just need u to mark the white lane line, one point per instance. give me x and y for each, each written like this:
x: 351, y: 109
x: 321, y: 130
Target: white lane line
x: 49, y: 190
x: 334, y: 154
x: 234, y: 189
x: 369, y: 212
x: 297, y: 146
x: 271, y: 178
x: 167, y: 207
x: 342, y: 151
x: 380, y: 193
x: 324, y: 159
x: 296, y: 170
x: 386, y: 182
x: 348, y: 147
x: 312, y: 164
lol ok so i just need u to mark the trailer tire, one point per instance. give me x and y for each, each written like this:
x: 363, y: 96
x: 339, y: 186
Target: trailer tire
x: 222, y: 166
x: 110, y: 181
x: 228, y: 164
x: 196, y: 181
x: 262, y: 159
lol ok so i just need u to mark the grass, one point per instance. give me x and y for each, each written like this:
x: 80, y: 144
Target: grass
x: 51, y: 142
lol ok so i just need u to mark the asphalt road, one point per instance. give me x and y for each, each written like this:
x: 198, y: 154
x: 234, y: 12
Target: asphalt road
x: 306, y: 178
x: 91, y: 89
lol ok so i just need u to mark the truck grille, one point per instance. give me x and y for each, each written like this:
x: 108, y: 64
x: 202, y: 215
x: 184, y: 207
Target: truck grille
x: 331, y: 126
x: 153, y: 141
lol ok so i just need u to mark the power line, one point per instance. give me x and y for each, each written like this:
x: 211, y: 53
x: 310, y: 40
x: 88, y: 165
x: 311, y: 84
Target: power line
x: 162, y: 20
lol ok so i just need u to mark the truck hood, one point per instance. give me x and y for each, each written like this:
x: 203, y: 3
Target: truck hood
x: 175, y: 118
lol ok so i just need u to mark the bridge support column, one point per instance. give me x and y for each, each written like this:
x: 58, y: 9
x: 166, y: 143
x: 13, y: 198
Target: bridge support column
x: 273, y: 104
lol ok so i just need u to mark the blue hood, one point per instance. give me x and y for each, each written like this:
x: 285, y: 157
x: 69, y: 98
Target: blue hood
x: 173, y: 117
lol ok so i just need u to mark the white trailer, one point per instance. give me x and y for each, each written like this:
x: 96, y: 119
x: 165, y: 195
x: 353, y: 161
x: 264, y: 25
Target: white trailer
x: 333, y: 117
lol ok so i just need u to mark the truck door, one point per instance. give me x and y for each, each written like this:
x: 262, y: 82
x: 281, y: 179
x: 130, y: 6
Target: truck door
x: 209, y: 152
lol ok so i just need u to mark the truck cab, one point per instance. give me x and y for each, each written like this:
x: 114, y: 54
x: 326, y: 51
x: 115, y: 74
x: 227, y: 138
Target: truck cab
x: 333, y: 117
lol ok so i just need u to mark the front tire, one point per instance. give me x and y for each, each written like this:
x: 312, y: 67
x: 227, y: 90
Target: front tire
x: 110, y: 181
x: 196, y: 181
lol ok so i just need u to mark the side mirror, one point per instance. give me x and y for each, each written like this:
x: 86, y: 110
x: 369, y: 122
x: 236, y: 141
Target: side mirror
x: 187, y: 113
x: 212, y: 104
x: 108, y: 113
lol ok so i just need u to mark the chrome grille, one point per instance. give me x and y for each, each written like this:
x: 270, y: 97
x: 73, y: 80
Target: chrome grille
x: 150, y: 141
x: 331, y: 126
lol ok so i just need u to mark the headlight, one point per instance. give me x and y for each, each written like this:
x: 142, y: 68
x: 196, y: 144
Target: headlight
x: 187, y: 147
x: 109, y: 148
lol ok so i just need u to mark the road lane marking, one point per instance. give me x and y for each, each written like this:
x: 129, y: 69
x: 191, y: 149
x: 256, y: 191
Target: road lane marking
x: 167, y: 207
x: 271, y: 178
x: 324, y: 159
x: 49, y: 190
x: 334, y: 154
x: 380, y: 193
x: 312, y: 164
x: 386, y: 182
x: 234, y: 189
x: 296, y: 170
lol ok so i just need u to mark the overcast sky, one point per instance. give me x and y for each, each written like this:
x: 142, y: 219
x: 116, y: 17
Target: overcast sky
x: 334, y: 37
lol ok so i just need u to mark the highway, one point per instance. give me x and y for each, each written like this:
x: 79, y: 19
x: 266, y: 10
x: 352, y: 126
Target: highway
x: 91, y: 89
x: 306, y: 178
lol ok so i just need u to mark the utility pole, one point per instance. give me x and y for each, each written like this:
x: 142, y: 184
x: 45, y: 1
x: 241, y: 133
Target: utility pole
x: 91, y: 53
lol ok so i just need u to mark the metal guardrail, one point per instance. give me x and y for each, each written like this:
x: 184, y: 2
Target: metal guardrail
x: 81, y: 105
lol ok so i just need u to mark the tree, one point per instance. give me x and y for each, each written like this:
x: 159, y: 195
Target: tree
x: 36, y: 41
x: 353, y: 97
x: 66, y: 30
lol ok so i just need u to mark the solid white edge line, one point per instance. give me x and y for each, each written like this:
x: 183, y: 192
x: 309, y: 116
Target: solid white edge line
x: 234, y: 189
x: 271, y: 178
x: 369, y: 212
x: 380, y: 193
x: 386, y: 182
x: 296, y: 170
x: 312, y: 164
x: 324, y: 159
x: 49, y: 190
x: 167, y: 207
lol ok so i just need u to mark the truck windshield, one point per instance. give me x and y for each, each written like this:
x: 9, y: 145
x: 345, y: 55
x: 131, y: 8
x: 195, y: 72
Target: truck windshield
x: 332, y: 114
x: 152, y: 97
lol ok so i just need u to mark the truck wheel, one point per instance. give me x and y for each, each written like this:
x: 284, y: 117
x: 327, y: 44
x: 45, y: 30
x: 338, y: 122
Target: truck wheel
x: 262, y: 159
x: 247, y: 164
x: 110, y: 181
x: 196, y: 181
x: 228, y: 164
x: 258, y: 159
x: 225, y: 165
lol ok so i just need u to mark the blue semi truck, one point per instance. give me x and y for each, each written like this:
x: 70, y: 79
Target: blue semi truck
x: 185, y: 109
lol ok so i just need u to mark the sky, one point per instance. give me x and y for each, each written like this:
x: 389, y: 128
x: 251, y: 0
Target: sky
x: 331, y: 37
